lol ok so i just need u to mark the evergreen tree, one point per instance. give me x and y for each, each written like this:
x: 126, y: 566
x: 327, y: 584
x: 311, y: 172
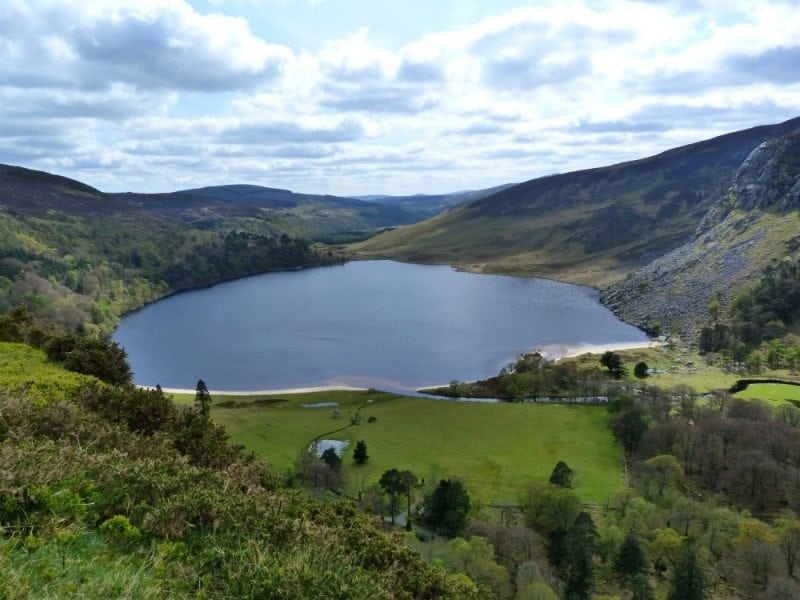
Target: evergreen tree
x: 360, y: 455
x: 640, y: 588
x: 330, y: 458
x: 631, y: 558
x: 629, y: 426
x: 394, y: 483
x: 613, y: 362
x: 202, y: 398
x: 447, y: 508
x: 579, y: 566
x: 687, y: 580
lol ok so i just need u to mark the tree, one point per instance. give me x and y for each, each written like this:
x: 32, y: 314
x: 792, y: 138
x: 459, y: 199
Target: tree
x: 687, y: 580
x: 629, y: 426
x: 100, y: 358
x: 640, y: 588
x: 360, y: 455
x: 641, y: 369
x: 476, y: 558
x: 447, y: 507
x: 613, y: 363
x: 331, y: 458
x: 789, y: 540
x: 202, y: 398
x: 580, y: 542
x: 394, y: 483
x: 562, y: 475
x: 537, y: 591
x: 631, y: 559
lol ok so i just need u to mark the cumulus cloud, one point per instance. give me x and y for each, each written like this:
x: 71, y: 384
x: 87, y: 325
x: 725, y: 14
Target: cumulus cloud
x: 159, y: 94
x: 147, y: 44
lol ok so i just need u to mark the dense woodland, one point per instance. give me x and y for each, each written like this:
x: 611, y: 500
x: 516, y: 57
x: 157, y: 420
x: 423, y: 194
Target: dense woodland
x: 81, y: 272
x: 761, y: 328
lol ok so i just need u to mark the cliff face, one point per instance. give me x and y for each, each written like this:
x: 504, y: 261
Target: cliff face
x: 755, y: 222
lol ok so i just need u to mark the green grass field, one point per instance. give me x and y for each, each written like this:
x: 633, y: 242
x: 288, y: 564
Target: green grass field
x: 496, y: 449
x: 775, y: 393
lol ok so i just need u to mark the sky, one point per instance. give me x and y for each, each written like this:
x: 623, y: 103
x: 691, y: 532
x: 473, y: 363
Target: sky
x: 357, y: 97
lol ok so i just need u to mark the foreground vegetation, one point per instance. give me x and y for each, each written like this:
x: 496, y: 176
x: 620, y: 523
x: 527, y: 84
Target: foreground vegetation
x: 110, y: 491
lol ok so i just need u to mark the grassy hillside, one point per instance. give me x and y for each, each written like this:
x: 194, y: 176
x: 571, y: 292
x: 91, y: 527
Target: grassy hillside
x: 590, y: 226
x: 26, y: 373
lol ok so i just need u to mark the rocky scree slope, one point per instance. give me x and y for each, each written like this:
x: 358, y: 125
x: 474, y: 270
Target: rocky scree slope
x: 756, y: 222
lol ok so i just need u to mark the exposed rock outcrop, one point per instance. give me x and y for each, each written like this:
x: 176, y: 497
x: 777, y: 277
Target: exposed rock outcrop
x: 756, y: 222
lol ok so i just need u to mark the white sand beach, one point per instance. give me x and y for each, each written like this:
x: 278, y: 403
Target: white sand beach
x: 557, y: 351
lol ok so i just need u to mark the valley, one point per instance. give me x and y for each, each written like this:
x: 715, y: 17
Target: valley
x: 697, y: 245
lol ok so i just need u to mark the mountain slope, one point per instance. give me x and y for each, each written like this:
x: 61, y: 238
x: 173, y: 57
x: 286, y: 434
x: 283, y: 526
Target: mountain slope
x: 755, y: 223
x: 429, y: 205
x: 81, y: 258
x: 592, y: 226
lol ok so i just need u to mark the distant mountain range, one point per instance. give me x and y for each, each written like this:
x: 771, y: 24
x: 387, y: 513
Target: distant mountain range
x: 277, y: 211
x: 81, y: 257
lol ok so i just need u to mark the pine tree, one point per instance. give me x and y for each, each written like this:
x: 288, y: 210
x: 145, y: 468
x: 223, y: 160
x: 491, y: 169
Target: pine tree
x: 360, y: 455
x: 631, y: 558
x: 202, y: 398
x: 687, y: 580
x: 331, y: 458
x: 579, y: 566
x: 447, y: 508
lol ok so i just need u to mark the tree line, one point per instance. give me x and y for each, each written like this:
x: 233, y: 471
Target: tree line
x: 756, y: 329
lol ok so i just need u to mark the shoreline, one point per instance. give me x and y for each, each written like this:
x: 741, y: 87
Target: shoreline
x: 559, y: 351
x: 297, y: 390
x: 551, y: 352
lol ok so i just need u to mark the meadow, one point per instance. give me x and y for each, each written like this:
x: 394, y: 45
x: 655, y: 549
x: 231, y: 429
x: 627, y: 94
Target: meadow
x: 495, y: 449
x: 774, y: 393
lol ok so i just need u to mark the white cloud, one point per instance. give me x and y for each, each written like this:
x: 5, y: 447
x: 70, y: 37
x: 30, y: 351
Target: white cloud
x: 150, y: 94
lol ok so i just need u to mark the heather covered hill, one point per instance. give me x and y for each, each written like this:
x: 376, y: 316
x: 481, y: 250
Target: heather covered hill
x: 592, y: 226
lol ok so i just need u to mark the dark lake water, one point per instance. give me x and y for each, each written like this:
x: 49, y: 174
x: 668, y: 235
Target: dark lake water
x: 377, y: 324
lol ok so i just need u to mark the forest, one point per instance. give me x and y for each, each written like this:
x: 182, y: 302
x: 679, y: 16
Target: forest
x: 760, y: 328
x: 83, y: 273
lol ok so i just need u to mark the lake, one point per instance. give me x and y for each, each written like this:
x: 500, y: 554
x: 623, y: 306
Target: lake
x: 380, y: 324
